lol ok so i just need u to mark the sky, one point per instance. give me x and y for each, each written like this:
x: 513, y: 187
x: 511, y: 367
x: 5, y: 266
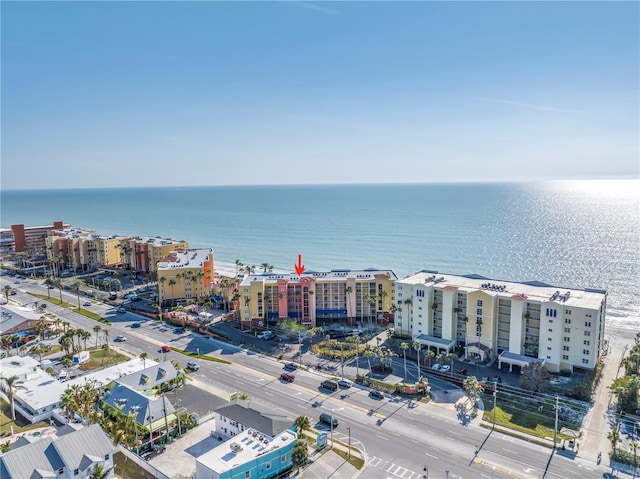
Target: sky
x: 118, y: 94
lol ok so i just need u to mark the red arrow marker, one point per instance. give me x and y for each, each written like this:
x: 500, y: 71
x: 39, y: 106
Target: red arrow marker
x: 299, y: 267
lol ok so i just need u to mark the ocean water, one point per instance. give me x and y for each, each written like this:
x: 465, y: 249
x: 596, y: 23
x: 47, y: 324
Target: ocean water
x: 565, y: 233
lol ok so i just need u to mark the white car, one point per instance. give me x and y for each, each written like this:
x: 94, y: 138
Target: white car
x: 436, y: 367
x: 266, y: 335
x: 86, y: 304
x: 120, y: 338
x: 445, y: 368
x: 345, y: 383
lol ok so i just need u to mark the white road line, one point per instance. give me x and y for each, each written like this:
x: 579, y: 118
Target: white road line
x: 382, y: 437
x: 430, y: 455
x: 509, y: 450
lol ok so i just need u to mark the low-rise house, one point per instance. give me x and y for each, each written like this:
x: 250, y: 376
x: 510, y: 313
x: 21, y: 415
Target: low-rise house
x: 249, y: 455
x: 38, y: 397
x: 71, y: 456
x: 237, y: 417
x: 15, y: 319
x: 156, y: 378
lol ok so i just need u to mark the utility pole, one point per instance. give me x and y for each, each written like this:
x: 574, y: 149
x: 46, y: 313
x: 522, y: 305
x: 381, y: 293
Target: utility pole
x: 495, y: 391
x: 349, y: 429
x: 341, y: 362
x: 555, y: 429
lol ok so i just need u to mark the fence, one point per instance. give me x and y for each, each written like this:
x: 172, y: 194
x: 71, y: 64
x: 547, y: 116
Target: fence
x: 157, y: 473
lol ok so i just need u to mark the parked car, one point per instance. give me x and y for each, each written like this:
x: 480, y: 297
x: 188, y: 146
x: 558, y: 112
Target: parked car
x: 375, y: 394
x: 121, y: 310
x: 266, y: 335
x: 193, y: 365
x: 86, y: 304
x: 436, y: 367
x: 136, y: 325
x: 345, y: 383
x: 291, y: 366
x: 287, y: 377
x: 462, y: 371
x: 51, y: 286
x: 120, y: 338
x: 165, y: 349
x: 356, y: 332
x: 179, y: 331
x: 445, y: 368
x: 329, y: 419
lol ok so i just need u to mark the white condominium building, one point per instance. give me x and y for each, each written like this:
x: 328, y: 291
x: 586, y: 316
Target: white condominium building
x: 514, y: 323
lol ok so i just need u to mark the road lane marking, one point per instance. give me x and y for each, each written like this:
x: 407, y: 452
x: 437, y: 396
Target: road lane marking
x: 382, y: 437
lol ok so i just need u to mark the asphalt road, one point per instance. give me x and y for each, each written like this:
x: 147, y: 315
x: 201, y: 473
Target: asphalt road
x: 400, y: 441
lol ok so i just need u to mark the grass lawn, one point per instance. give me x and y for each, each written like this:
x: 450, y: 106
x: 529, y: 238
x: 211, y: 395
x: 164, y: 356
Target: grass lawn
x: 520, y: 421
x: 128, y: 469
x: 20, y: 424
x: 72, y: 307
x: 103, y: 358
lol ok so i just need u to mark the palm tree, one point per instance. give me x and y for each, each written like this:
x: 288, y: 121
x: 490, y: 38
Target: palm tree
x: 97, y: 329
x: 171, y: 283
x: 302, y: 424
x: 614, y: 437
x: 451, y: 357
x: 161, y: 295
x: 351, y: 339
x: 13, y: 383
x: 473, y: 388
x: 408, y: 302
x: 417, y: 345
x: 58, y: 282
x: 428, y: 355
x: 372, y: 301
x: 367, y: 354
x: 85, y: 335
x: 77, y: 284
x: 404, y: 346
x: 100, y: 472
x: 266, y: 267
x: 634, y: 445
x: 144, y: 357
x: 348, y: 290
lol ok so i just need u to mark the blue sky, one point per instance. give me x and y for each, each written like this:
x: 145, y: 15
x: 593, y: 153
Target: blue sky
x: 101, y: 94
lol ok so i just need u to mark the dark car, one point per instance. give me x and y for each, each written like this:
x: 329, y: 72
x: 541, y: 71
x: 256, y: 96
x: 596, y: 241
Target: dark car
x: 462, y: 371
x: 179, y: 330
x: 287, y: 377
x: 291, y: 366
x: 329, y: 419
x: 136, y: 325
x: 375, y: 394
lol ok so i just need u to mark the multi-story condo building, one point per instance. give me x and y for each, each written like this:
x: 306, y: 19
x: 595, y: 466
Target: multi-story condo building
x: 85, y: 250
x: 185, y: 275
x: 32, y: 239
x: 142, y: 253
x: 342, y: 296
x: 7, y: 243
x: 515, y: 323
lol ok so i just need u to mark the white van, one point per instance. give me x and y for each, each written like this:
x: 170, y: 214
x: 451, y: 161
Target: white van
x: 62, y: 377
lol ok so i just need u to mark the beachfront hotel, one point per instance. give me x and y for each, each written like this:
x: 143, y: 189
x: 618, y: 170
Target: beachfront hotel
x: 513, y: 323
x: 314, y: 298
x: 185, y: 275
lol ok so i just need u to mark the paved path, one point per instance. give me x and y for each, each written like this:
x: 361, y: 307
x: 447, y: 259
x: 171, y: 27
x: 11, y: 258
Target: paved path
x: 597, y: 424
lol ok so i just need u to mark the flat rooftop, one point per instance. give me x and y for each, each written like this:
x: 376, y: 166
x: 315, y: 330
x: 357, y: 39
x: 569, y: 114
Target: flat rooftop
x: 532, y: 290
x: 243, y: 448
x: 325, y: 276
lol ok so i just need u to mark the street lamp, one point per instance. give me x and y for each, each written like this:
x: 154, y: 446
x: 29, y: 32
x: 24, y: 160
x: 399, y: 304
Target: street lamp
x: 349, y: 430
x: 426, y: 469
x: 447, y: 474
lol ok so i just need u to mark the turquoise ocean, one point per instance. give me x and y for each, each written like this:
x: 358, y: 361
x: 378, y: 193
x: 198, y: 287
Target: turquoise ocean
x: 581, y: 234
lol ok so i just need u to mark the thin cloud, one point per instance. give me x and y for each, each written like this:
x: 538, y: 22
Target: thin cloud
x: 530, y: 106
x: 313, y: 6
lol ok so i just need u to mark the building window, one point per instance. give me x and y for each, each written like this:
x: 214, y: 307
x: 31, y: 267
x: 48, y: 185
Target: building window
x: 567, y: 321
x: 548, y: 357
x: 566, y: 339
x: 587, y: 343
x: 106, y: 457
x: 549, y: 348
x: 550, y: 330
x: 549, y: 339
x: 267, y: 466
x: 479, y: 311
x: 76, y: 472
x: 479, y: 304
x: 587, y: 333
x: 565, y: 357
x: 565, y: 348
x: 61, y: 470
x: 585, y: 352
x: 587, y: 324
x: 567, y: 330
x: 585, y: 361
x: 247, y: 474
x: 568, y: 311
x: 283, y: 458
x: 478, y: 330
